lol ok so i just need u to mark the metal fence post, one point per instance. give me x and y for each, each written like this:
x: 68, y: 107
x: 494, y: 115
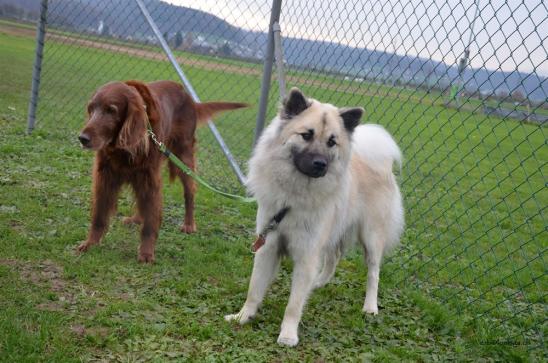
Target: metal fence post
x: 279, y: 55
x: 267, y: 70
x: 465, y: 60
x: 233, y: 164
x: 37, y: 68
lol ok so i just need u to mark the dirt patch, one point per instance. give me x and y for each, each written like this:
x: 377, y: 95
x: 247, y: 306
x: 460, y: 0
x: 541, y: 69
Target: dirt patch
x: 49, y: 275
x: 68, y: 296
x: 81, y: 331
x: 50, y: 306
x: 133, y: 51
x: 8, y: 262
x: 16, y: 31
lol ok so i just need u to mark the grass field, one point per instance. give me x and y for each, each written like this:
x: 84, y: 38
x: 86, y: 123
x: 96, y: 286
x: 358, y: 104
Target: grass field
x: 468, y: 284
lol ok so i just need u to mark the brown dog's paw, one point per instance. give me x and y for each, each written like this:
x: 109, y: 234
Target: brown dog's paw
x: 132, y: 220
x: 146, y: 257
x: 84, y: 246
x: 188, y: 228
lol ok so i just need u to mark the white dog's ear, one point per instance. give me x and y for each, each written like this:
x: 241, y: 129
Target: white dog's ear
x: 294, y: 104
x: 351, y: 117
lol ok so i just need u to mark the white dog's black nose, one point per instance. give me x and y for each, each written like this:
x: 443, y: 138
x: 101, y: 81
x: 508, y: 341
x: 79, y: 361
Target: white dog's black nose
x: 319, y: 164
x: 313, y: 165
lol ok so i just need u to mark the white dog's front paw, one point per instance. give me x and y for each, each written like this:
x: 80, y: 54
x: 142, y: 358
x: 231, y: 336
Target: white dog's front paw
x: 242, y: 317
x: 232, y: 317
x: 370, y: 308
x: 288, y: 340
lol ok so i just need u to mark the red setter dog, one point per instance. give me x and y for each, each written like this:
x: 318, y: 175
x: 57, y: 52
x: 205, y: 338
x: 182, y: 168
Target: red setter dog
x: 116, y: 129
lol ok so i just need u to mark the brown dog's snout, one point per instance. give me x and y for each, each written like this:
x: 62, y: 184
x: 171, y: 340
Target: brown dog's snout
x: 85, y: 139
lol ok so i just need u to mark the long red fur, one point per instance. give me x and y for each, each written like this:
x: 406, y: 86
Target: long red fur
x: 117, y: 125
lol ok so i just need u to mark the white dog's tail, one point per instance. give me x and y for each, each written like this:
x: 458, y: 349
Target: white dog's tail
x: 377, y: 147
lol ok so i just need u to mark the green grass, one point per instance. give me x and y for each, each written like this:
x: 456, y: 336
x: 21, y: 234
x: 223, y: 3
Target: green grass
x: 468, y: 283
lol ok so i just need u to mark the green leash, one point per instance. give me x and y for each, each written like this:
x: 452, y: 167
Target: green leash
x: 175, y: 160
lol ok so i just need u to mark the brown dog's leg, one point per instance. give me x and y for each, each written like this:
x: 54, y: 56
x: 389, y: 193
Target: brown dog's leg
x: 189, y: 225
x: 149, y: 208
x: 105, y: 194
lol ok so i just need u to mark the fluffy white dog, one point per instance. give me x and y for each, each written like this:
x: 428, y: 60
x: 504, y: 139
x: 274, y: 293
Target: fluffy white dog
x: 321, y: 182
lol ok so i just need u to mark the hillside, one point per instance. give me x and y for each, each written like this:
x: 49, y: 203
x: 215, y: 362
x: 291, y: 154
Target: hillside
x: 213, y: 34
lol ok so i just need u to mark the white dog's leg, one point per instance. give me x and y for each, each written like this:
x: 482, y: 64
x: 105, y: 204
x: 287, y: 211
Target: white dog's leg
x: 304, y: 274
x: 331, y: 259
x: 265, y: 266
x: 373, y: 259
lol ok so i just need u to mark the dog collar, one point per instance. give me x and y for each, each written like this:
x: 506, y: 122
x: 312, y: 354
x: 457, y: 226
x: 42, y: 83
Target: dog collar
x: 272, y: 225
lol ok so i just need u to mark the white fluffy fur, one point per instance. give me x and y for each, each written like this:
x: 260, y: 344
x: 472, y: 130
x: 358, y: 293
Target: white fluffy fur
x: 377, y: 148
x: 357, y: 200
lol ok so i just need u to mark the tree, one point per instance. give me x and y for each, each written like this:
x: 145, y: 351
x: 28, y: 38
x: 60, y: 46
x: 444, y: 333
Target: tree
x: 188, y: 41
x: 166, y: 36
x: 518, y: 96
x: 178, y: 39
x: 501, y: 94
x: 225, y: 49
x: 105, y: 31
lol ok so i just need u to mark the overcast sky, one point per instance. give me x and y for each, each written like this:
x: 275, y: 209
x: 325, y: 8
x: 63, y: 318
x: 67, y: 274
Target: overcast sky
x: 508, y: 34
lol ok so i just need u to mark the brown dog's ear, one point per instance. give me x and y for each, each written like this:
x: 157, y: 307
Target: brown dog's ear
x: 133, y: 135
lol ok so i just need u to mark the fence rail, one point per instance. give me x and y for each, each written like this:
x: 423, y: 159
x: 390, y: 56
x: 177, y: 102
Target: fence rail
x: 454, y: 81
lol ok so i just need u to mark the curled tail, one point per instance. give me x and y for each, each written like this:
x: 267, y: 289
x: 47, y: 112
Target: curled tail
x: 205, y: 111
x: 377, y: 147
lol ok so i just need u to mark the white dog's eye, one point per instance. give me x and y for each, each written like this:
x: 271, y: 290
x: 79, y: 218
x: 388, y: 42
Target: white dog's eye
x: 331, y: 142
x: 307, y: 136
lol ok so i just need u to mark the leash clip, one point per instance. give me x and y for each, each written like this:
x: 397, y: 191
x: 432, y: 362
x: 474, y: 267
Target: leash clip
x: 259, y: 242
x: 272, y: 225
x: 153, y: 137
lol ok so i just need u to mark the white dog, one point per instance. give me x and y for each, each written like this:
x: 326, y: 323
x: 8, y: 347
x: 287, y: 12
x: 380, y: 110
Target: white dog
x: 321, y: 182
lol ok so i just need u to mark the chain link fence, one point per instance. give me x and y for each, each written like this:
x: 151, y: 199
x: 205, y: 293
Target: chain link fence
x: 460, y: 84
x: 90, y: 43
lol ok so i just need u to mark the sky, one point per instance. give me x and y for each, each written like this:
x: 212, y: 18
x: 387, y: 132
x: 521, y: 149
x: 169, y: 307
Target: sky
x: 507, y: 35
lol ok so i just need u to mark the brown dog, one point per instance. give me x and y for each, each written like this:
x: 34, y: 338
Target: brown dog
x: 116, y: 129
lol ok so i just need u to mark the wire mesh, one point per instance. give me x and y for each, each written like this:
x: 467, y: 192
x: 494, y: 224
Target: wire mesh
x: 460, y: 84
x: 90, y: 43
x: 474, y: 176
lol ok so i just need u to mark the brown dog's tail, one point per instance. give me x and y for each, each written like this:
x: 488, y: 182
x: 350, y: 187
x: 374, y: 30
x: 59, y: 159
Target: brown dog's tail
x: 205, y: 110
